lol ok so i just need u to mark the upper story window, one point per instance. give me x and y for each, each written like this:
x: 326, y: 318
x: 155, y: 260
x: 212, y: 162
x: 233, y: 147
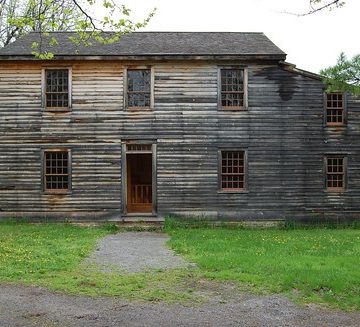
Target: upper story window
x: 335, y: 172
x: 334, y: 104
x: 138, y: 88
x: 233, y: 170
x: 57, y: 94
x: 57, y: 171
x: 233, y: 88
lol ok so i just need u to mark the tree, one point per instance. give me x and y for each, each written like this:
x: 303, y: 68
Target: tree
x: 18, y: 17
x: 344, y: 76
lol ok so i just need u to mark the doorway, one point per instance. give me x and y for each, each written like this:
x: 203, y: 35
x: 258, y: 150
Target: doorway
x: 139, y: 175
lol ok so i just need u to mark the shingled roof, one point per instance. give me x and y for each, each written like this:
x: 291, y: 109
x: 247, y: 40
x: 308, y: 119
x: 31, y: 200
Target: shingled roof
x: 136, y: 44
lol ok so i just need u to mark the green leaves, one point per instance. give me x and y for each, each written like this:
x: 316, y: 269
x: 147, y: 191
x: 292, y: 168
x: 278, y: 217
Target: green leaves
x: 19, y: 17
x: 344, y: 76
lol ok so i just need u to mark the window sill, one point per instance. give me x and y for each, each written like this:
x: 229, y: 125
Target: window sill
x: 335, y: 191
x: 57, y: 110
x: 139, y: 109
x: 233, y: 191
x: 335, y: 125
x: 233, y: 109
x: 57, y: 192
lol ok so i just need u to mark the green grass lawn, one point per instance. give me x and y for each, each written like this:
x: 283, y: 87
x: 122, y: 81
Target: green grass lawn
x: 309, y: 265
x: 51, y: 255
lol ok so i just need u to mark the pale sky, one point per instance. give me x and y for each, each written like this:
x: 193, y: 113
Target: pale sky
x: 312, y: 42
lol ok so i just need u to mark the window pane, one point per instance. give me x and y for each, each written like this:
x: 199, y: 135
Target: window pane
x: 232, y: 87
x: 138, y: 87
x: 57, y: 88
x: 232, y: 170
x: 56, y: 170
x: 335, y: 176
x: 334, y: 109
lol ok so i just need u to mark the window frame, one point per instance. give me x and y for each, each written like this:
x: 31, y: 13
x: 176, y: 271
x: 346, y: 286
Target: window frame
x: 43, y: 88
x: 43, y: 175
x: 125, y: 86
x: 344, y: 110
x: 245, y: 82
x: 345, y: 173
x: 240, y: 190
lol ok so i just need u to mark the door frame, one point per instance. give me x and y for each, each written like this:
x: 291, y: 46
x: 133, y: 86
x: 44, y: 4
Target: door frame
x: 124, y: 192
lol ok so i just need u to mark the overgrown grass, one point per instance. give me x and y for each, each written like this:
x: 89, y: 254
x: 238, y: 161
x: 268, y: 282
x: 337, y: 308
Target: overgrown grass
x: 50, y: 255
x: 310, y: 265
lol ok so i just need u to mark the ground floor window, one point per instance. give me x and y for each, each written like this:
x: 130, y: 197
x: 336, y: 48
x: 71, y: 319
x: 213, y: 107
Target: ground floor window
x: 57, y: 178
x: 232, y: 170
x: 335, y: 172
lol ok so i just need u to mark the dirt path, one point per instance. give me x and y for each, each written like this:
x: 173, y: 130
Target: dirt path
x: 135, y: 252
x: 28, y: 306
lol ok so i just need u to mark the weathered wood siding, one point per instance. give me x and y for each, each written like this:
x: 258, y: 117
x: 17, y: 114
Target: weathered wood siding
x: 283, y: 132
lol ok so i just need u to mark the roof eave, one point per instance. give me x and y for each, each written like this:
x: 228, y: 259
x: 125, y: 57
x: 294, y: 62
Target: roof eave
x: 292, y: 68
x: 155, y: 57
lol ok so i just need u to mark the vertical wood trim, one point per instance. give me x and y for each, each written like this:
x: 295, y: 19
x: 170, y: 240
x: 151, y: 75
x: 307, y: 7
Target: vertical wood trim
x: 246, y: 186
x: 70, y: 87
x: 325, y: 109
x: 345, y: 163
x: 345, y: 101
x: 152, y: 87
x: 219, y: 88
x: 246, y: 102
x: 123, y: 178
x: 125, y: 89
x: 219, y: 170
x: 154, y: 181
x: 70, y: 170
x: 42, y: 162
x: 43, y: 95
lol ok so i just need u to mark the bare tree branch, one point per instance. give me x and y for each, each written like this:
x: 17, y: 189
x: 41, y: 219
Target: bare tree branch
x: 319, y: 5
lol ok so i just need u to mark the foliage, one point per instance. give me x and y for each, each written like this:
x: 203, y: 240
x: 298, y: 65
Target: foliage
x: 309, y: 265
x: 344, y: 76
x: 18, y: 17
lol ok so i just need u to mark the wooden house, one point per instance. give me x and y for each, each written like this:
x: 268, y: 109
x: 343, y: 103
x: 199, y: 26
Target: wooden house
x: 215, y: 125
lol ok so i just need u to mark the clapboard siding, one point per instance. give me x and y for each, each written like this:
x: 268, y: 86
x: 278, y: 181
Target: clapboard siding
x: 282, y: 131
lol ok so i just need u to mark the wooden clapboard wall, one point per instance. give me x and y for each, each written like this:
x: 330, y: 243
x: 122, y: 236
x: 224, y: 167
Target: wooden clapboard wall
x: 282, y: 131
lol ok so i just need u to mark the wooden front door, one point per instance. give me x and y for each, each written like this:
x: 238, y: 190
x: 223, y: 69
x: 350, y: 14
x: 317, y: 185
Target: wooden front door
x: 139, y: 183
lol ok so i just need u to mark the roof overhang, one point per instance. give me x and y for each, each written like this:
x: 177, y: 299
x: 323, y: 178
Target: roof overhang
x: 150, y: 57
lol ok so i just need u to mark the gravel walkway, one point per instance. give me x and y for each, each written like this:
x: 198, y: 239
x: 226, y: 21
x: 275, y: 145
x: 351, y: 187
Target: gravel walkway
x: 30, y: 307
x: 135, y: 252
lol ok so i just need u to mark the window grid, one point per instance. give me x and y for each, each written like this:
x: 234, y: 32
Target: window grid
x: 232, y: 88
x: 334, y: 109
x: 57, y: 88
x: 335, y: 173
x: 138, y: 88
x: 56, y: 171
x: 139, y: 147
x: 232, y: 170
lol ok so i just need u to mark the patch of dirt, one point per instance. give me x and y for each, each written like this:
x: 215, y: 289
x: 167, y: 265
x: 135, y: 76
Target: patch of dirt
x: 135, y: 252
x: 29, y: 306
